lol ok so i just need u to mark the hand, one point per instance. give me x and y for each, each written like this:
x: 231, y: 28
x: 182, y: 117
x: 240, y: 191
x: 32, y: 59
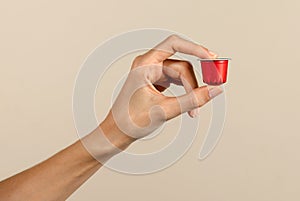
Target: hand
x: 140, y: 108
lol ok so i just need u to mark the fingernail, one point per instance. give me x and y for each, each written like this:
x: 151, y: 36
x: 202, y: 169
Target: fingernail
x: 212, y: 54
x: 214, y: 91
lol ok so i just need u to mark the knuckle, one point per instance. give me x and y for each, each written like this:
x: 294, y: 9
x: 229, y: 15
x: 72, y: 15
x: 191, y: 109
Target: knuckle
x: 203, y: 99
x: 173, y: 37
x: 199, y: 98
x: 186, y: 65
x: 186, y: 68
x: 194, y: 102
x: 137, y: 61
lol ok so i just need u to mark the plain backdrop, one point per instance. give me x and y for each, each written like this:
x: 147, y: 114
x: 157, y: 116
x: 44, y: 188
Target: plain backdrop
x: 44, y: 42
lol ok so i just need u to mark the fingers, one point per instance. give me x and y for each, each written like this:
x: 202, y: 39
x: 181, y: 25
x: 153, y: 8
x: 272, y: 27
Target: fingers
x: 178, y: 72
x: 174, y: 44
x: 181, y: 72
x: 174, y: 106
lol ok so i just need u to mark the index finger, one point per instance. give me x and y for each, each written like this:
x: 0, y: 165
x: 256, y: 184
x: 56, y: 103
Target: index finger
x: 174, y: 44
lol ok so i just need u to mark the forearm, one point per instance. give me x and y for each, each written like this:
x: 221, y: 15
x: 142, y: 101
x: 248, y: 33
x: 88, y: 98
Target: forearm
x: 59, y: 176
x: 53, y: 179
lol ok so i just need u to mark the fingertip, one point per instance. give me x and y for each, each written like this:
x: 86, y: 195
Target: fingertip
x: 214, y: 91
x: 194, y: 113
x: 212, y: 54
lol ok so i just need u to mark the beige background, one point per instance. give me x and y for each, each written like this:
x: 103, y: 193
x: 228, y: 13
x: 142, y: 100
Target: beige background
x: 44, y: 42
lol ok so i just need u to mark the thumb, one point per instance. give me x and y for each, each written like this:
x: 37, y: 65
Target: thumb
x: 174, y: 106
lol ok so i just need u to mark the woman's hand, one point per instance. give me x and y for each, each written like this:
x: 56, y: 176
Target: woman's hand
x: 140, y: 108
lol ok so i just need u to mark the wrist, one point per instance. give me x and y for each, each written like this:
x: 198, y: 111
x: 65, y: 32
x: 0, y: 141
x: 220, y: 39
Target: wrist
x: 106, y: 140
x: 115, y: 136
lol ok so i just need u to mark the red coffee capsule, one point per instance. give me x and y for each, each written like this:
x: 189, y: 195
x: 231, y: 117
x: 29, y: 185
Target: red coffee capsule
x: 214, y: 71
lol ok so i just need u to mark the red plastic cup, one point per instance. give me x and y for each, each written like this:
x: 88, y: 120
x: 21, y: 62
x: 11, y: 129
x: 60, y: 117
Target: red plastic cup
x: 214, y: 71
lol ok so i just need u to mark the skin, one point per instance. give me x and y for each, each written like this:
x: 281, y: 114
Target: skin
x: 59, y: 176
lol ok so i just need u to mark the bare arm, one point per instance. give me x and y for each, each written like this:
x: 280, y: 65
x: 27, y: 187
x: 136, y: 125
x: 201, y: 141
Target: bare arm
x: 59, y: 176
